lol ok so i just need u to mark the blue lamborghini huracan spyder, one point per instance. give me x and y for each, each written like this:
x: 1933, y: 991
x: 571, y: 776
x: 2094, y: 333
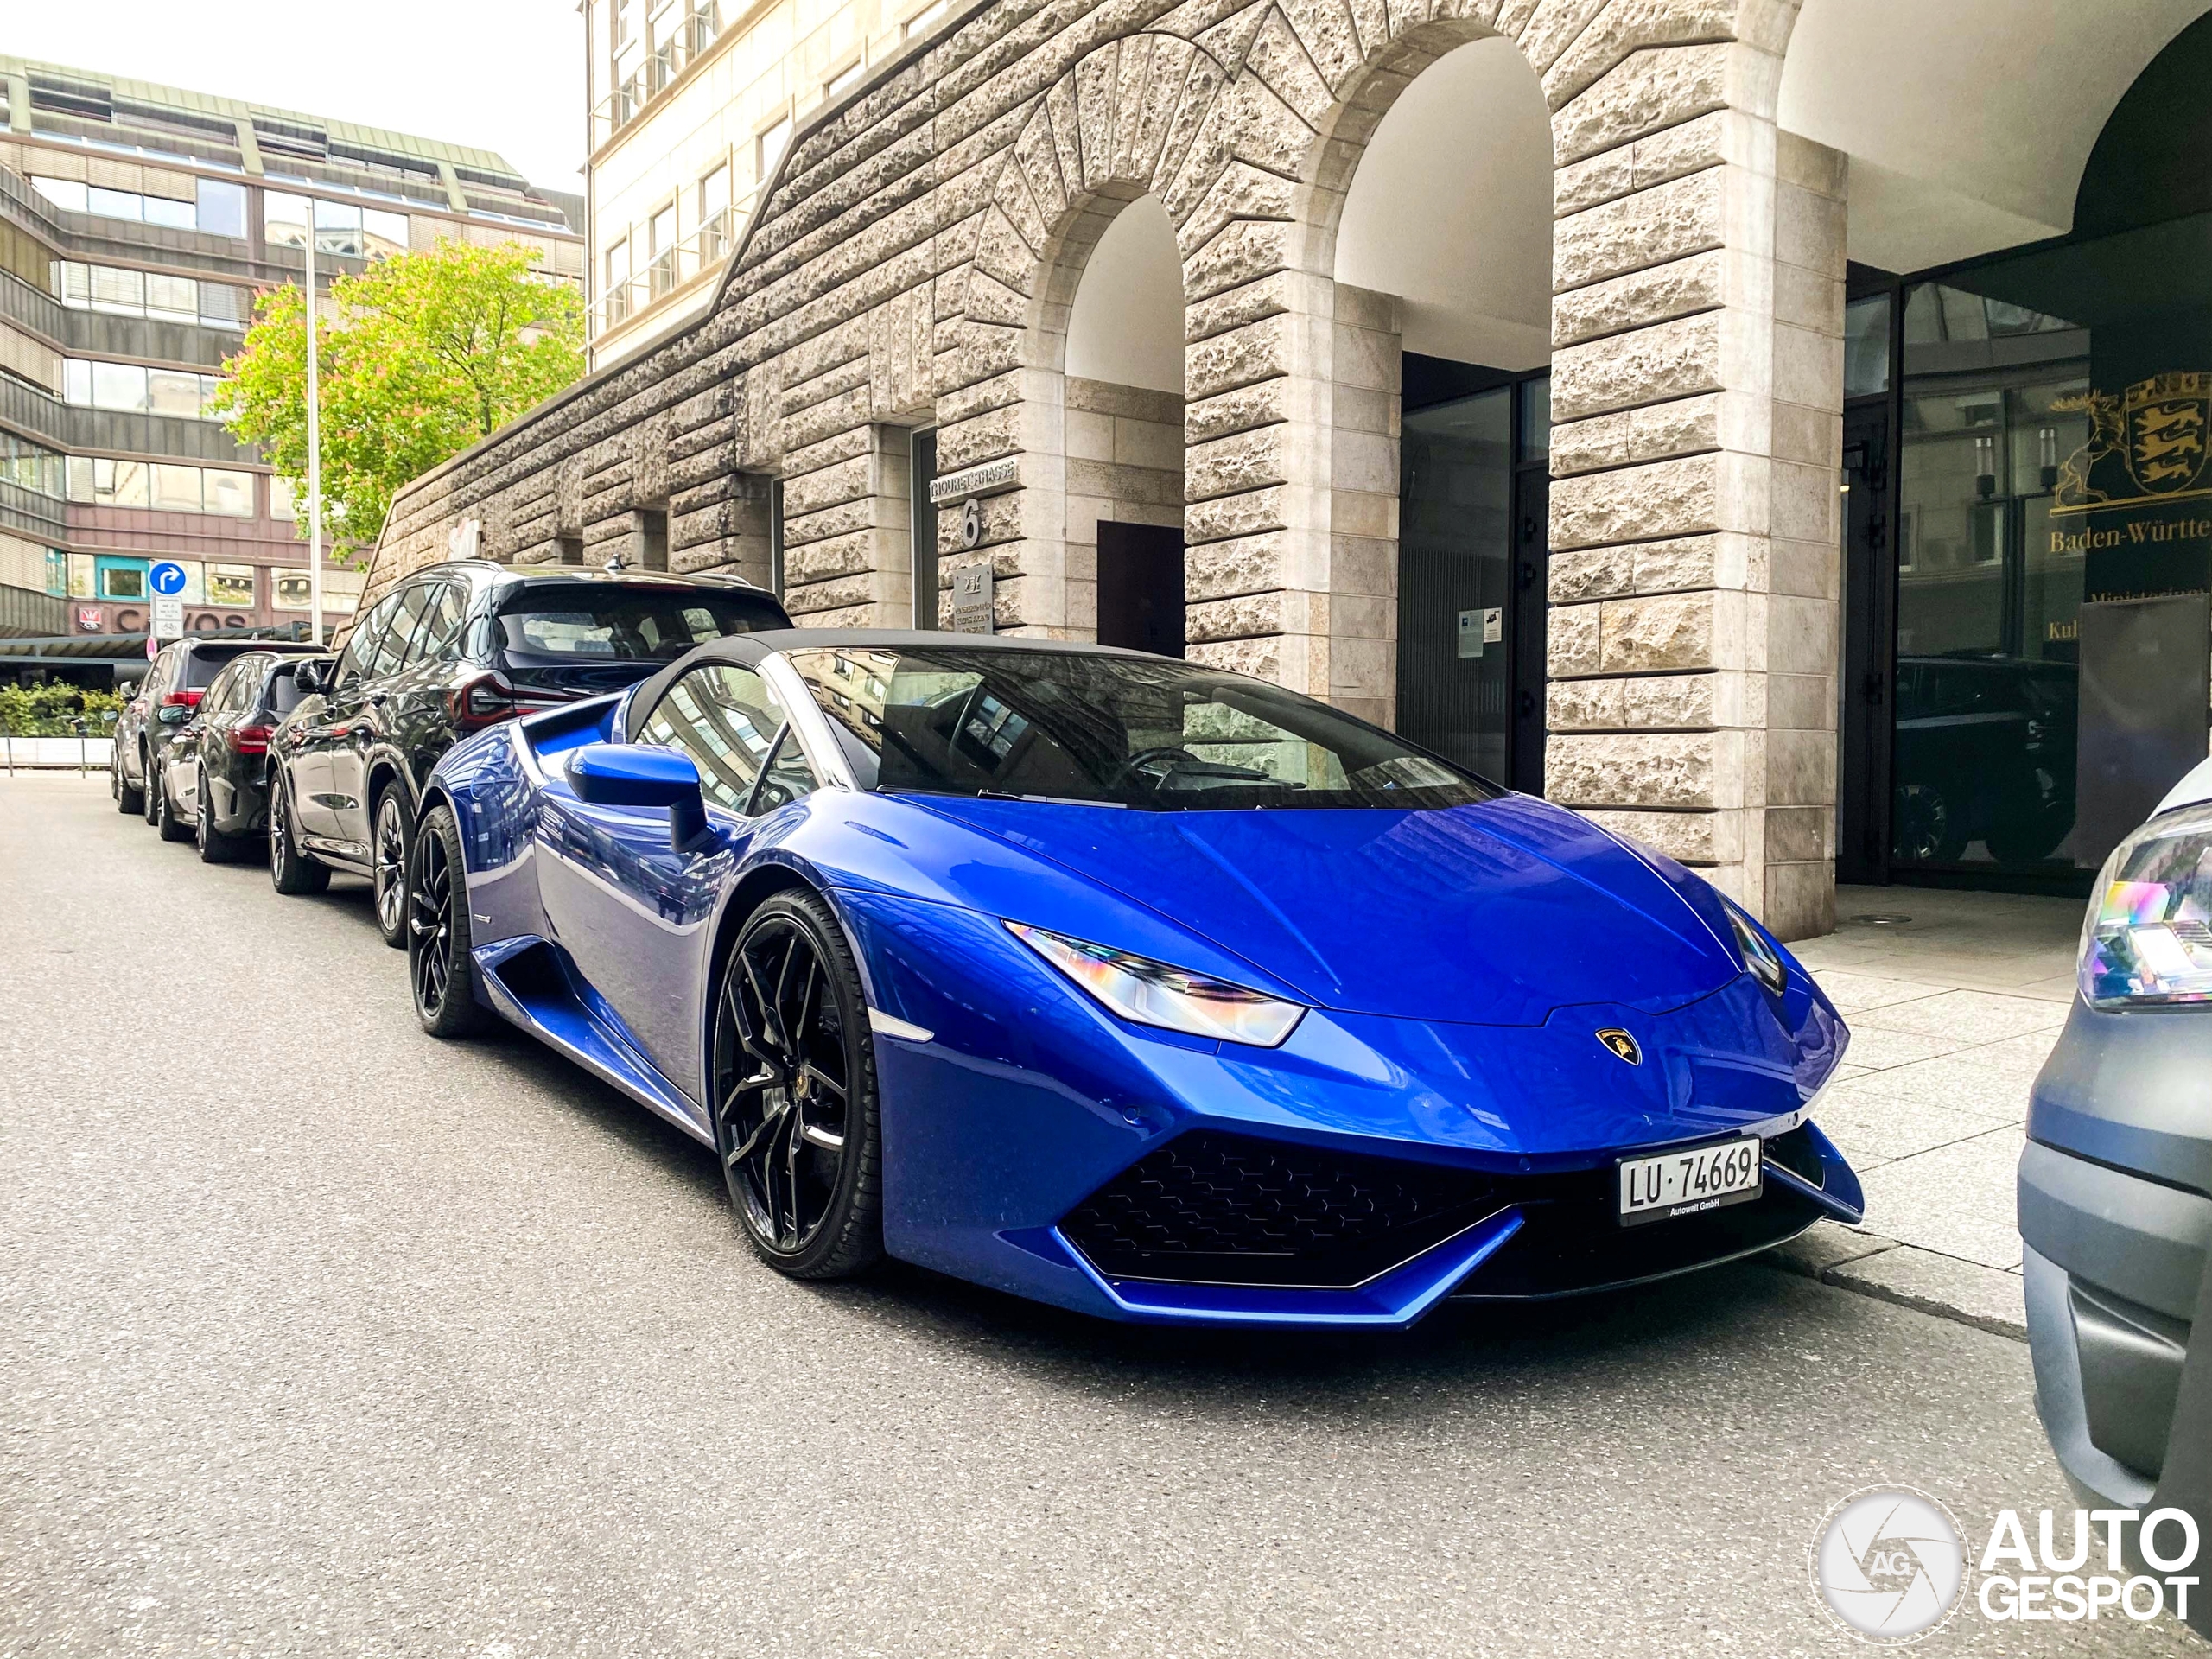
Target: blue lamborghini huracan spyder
x: 1124, y: 983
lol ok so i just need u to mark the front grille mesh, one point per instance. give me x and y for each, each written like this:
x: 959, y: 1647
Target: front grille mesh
x: 1223, y: 1209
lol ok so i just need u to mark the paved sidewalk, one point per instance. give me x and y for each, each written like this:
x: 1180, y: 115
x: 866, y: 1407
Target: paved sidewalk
x: 1954, y: 1000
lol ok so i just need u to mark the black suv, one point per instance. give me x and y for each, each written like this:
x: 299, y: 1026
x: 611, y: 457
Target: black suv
x: 160, y: 705
x: 216, y: 776
x: 449, y: 650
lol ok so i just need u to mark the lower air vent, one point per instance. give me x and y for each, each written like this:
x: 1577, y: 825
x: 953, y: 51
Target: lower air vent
x: 1231, y: 1209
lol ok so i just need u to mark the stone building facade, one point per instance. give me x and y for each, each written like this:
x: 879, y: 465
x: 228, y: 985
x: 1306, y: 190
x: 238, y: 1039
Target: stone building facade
x: 915, y: 259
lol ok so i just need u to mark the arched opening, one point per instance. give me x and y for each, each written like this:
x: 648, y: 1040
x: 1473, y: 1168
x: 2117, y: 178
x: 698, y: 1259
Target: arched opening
x: 1120, y: 363
x: 1448, y: 217
x: 2027, y: 407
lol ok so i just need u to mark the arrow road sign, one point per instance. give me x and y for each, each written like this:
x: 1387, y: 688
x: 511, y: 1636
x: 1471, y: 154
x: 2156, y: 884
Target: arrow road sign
x: 166, y: 577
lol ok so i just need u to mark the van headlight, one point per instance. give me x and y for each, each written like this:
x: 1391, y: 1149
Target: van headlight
x: 2147, y: 938
x: 1153, y: 994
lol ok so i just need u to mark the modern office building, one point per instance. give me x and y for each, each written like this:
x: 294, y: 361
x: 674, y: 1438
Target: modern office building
x: 692, y: 103
x: 1776, y: 429
x: 137, y: 224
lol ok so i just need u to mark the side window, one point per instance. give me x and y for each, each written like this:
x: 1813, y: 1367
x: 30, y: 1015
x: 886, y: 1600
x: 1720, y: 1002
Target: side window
x: 726, y: 719
x: 219, y: 703
x: 441, y: 636
x: 397, y: 652
x: 789, y: 776
x: 366, y: 644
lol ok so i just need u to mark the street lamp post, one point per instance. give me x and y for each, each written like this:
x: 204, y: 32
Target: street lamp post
x: 315, y: 451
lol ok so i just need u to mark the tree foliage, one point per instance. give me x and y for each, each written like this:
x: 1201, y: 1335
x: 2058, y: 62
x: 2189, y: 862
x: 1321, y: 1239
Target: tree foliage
x: 428, y: 353
x: 53, y: 710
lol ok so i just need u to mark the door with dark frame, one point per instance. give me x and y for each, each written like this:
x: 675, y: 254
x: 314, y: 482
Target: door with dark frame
x: 1862, y: 840
x: 1141, y: 587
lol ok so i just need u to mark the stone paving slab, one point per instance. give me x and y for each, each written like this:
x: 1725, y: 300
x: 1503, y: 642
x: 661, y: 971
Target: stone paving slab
x: 1952, y: 1012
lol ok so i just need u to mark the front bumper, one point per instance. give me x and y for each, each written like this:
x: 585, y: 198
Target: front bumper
x: 1472, y: 1161
x: 2116, y: 1220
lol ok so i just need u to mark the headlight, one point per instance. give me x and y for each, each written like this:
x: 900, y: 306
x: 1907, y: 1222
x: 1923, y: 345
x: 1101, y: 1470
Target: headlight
x: 2147, y: 938
x: 1153, y: 994
x: 1760, y: 954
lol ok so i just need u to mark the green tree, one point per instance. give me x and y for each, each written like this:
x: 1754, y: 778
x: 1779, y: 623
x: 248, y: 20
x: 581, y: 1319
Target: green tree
x: 428, y: 352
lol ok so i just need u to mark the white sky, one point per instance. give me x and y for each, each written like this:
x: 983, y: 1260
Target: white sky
x: 504, y: 74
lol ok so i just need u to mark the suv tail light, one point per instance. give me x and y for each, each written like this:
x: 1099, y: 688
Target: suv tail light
x: 253, y: 740
x: 489, y: 698
x: 181, y: 700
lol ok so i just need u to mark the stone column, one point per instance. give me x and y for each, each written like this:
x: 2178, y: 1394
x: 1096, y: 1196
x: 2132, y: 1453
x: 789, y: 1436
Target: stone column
x: 1696, y: 397
x: 1292, y: 475
x: 848, y: 513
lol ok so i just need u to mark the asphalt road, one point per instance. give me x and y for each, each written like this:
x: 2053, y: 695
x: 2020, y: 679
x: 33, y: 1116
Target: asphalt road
x: 319, y: 1337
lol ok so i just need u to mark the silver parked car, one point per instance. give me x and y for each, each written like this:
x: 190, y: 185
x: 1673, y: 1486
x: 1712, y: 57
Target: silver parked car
x: 2115, y: 1185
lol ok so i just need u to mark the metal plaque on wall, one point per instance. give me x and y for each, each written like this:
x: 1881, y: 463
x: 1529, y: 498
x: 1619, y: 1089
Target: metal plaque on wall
x: 971, y: 600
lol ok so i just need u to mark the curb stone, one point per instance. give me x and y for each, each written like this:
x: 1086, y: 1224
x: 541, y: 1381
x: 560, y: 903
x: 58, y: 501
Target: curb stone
x: 1988, y: 1299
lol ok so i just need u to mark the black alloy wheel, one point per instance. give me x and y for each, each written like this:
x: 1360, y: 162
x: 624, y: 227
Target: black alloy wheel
x: 127, y: 799
x: 794, y: 1079
x: 150, y: 790
x: 215, y: 846
x: 290, y: 871
x: 165, y: 818
x: 390, y: 844
x: 439, y: 965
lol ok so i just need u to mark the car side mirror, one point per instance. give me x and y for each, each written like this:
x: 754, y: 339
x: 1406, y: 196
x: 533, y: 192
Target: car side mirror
x: 308, y: 678
x: 643, y: 775
x: 173, y: 714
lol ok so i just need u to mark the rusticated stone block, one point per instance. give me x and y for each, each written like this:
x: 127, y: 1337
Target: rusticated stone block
x: 1591, y: 573
x: 1259, y: 350
x: 1646, y: 92
x: 1671, y: 631
x: 1697, y: 838
x: 1673, y: 769
x: 1250, y: 564
x: 1260, y: 658
x: 1570, y: 642
x: 1250, y: 461
x: 1653, y: 227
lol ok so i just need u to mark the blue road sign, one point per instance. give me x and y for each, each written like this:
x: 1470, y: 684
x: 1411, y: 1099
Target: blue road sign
x: 167, y: 578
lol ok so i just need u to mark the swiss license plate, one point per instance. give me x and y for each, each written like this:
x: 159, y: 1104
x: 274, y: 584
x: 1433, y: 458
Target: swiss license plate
x: 1686, y: 1182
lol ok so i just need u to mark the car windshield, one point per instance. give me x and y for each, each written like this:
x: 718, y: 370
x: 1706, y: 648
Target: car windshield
x: 1113, y: 730
x: 587, y: 621
x: 202, y: 666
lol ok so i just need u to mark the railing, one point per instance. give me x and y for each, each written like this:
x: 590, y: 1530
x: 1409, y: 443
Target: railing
x: 672, y: 268
x: 692, y: 36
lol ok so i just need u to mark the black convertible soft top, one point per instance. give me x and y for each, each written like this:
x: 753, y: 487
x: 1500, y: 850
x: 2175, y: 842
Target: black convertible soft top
x: 746, y: 650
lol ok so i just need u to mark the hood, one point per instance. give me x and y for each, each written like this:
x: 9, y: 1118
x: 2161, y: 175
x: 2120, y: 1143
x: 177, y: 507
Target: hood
x: 1493, y: 914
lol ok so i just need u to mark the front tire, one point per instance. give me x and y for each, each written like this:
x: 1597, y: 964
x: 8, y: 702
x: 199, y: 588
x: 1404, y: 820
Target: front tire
x: 441, y: 964
x: 795, y: 1115
x: 291, y: 872
x: 165, y: 818
x: 390, y: 846
x: 128, y: 800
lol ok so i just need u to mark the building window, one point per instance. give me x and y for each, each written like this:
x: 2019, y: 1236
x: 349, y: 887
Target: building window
x: 340, y: 227
x: 131, y: 389
x: 925, y: 20
x: 295, y: 592
x: 618, y: 282
x: 231, y: 586
x: 57, y: 572
x: 123, y: 582
x: 104, y: 483
x: 80, y: 576
x: 150, y: 294
x: 28, y: 467
x: 228, y: 492
x: 770, y: 146
x: 845, y: 79
x: 283, y: 501
x: 74, y: 196
x: 222, y: 208
x: 714, y: 215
